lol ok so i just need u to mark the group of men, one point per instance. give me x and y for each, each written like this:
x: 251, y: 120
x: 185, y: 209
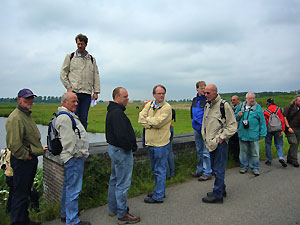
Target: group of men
x: 213, y: 120
x: 253, y: 124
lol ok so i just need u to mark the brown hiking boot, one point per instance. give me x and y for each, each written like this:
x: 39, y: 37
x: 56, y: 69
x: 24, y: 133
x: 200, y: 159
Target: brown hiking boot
x: 129, y: 219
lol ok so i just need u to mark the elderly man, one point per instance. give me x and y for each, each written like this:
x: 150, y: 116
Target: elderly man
x: 233, y: 144
x: 278, y: 137
x: 203, y: 170
x: 23, y: 140
x: 121, y: 143
x: 219, y: 125
x: 79, y: 74
x: 156, y: 118
x: 252, y: 128
x: 75, y: 149
x: 292, y: 122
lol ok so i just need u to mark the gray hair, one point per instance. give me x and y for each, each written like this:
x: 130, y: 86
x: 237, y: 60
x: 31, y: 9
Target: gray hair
x: 250, y: 93
x: 65, y: 97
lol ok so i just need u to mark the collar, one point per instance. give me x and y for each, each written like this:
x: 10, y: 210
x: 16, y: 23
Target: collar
x: 212, y: 102
x: 78, y: 53
x: 23, y: 110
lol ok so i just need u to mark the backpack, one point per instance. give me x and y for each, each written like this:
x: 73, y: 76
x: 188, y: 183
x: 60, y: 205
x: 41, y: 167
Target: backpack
x: 222, y: 109
x: 53, y: 139
x: 173, y: 115
x: 274, y: 124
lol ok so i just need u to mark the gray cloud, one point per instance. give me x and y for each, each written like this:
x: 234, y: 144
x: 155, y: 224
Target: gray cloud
x: 240, y: 46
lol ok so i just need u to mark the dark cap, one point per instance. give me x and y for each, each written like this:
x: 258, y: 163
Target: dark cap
x: 25, y: 93
x: 271, y: 101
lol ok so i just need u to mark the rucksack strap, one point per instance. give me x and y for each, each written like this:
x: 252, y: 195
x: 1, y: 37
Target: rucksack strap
x: 72, y: 55
x: 222, y: 109
x: 74, y: 127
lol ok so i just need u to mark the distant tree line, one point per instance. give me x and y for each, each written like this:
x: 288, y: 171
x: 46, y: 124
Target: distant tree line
x: 39, y: 99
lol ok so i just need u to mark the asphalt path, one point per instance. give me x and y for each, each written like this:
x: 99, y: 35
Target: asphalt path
x: 271, y: 198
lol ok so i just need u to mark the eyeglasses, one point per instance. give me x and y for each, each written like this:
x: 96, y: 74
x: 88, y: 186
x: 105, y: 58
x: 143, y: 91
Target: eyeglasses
x: 73, y: 101
x: 207, y: 93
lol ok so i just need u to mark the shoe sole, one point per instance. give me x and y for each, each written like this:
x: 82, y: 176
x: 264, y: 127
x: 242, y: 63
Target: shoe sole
x: 218, y: 202
x: 128, y: 222
x: 255, y: 174
x: 151, y: 194
x: 204, y: 179
x: 210, y: 194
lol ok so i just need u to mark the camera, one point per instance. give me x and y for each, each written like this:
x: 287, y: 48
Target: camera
x: 246, y: 124
x: 2, y: 159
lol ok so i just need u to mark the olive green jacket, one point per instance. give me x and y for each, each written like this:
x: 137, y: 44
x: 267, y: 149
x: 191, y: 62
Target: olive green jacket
x: 22, y: 135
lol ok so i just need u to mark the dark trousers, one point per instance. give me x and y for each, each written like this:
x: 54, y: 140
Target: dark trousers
x: 234, y: 147
x: 9, y: 182
x: 82, y: 110
x: 24, y: 173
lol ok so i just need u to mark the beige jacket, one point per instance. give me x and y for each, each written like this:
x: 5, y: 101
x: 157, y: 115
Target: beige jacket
x: 80, y: 74
x: 72, y: 144
x: 215, y: 127
x: 157, y: 124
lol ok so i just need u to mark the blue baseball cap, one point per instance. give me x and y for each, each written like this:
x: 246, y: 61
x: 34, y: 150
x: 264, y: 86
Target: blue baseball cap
x: 25, y: 93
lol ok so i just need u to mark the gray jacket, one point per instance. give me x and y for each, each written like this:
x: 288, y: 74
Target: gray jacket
x: 72, y: 144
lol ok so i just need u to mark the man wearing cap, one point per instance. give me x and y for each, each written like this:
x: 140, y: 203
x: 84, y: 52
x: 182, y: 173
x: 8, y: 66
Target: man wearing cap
x: 23, y: 140
x: 79, y: 74
x: 278, y: 137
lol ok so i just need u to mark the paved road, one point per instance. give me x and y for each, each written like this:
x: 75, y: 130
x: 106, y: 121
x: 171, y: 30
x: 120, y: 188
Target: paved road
x: 271, y: 198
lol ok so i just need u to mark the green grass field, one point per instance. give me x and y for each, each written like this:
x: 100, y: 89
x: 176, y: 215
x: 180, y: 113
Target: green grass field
x: 42, y: 112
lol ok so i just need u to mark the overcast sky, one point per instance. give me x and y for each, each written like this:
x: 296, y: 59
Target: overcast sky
x: 238, y: 45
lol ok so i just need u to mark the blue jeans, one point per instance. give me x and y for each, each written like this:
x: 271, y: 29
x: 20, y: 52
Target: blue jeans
x: 120, y: 179
x: 159, y: 160
x: 71, y: 189
x: 218, y: 159
x: 82, y: 110
x: 204, y: 164
x: 278, y: 141
x: 171, y: 158
x: 253, y: 148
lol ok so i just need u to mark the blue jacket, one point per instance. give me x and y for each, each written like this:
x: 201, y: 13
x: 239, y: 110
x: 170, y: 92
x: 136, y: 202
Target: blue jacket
x: 257, y: 124
x: 197, y: 111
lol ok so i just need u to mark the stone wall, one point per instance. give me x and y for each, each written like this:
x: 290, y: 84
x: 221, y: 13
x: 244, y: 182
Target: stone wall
x: 53, y: 170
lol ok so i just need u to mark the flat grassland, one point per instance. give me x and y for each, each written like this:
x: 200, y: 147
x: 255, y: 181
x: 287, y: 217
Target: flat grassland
x: 42, y: 112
